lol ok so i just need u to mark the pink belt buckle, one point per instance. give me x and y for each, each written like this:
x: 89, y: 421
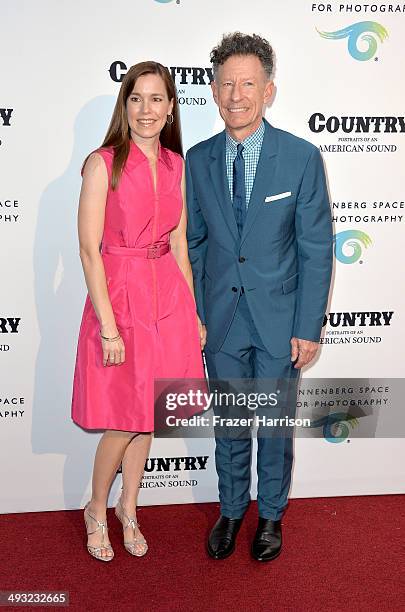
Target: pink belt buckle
x: 153, y: 252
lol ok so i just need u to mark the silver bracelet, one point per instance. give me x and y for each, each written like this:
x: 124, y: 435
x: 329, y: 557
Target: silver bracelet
x: 110, y: 339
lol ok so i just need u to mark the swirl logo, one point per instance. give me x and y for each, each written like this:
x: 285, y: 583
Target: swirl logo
x: 356, y: 240
x: 357, y: 31
x: 336, y: 426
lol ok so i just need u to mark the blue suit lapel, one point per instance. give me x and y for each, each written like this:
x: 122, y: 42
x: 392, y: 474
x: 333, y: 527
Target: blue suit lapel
x: 219, y: 180
x: 265, y: 172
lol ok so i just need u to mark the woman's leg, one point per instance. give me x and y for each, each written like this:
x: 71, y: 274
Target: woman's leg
x: 109, y: 454
x: 133, y: 465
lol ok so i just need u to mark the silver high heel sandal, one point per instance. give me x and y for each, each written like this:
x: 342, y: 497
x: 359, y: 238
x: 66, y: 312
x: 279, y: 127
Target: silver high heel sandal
x: 95, y: 551
x: 139, y: 541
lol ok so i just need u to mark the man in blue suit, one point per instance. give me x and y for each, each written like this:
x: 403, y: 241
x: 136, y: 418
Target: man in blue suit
x: 260, y: 246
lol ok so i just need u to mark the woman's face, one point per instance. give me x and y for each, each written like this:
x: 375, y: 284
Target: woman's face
x: 147, y: 107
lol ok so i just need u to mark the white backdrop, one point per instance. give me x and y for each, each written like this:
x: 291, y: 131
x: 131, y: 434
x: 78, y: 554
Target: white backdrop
x: 56, y: 98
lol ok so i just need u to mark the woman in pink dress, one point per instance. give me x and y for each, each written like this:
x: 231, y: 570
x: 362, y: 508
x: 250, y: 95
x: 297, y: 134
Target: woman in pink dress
x: 139, y: 321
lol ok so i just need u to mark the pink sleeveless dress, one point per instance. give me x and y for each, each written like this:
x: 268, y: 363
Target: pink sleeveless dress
x: 152, y: 303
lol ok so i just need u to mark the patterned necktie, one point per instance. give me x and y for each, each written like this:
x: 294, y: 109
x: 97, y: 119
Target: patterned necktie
x: 239, y: 192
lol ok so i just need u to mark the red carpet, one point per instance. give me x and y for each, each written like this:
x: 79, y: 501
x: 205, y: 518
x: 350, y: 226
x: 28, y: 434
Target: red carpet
x: 343, y: 553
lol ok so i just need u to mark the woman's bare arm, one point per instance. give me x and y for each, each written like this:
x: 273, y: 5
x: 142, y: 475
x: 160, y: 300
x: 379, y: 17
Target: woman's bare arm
x: 91, y: 215
x: 178, y: 244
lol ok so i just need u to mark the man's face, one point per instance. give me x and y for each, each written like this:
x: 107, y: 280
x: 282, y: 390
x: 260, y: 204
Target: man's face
x: 240, y: 90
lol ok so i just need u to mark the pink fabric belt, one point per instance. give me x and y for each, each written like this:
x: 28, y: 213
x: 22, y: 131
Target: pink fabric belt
x: 153, y: 251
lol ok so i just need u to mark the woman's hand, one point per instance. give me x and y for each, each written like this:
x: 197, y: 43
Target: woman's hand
x: 113, y: 350
x: 203, y: 333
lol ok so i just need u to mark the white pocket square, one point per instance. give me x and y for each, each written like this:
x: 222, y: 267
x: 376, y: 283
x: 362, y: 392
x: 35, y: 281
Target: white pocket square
x: 279, y: 196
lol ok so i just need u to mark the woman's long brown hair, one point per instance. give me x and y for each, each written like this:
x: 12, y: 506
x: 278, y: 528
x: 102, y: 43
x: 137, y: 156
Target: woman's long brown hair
x: 118, y: 134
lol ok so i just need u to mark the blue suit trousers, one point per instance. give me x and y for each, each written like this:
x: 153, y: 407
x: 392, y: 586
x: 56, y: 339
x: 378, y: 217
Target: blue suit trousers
x: 244, y: 356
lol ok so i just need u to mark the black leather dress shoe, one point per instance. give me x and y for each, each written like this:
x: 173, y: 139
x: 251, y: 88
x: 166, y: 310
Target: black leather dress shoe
x: 221, y: 541
x: 267, y: 541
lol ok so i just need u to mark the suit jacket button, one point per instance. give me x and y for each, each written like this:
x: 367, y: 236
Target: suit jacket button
x: 242, y: 259
x: 234, y: 289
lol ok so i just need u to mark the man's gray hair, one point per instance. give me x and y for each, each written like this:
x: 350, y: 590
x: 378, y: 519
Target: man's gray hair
x: 243, y: 44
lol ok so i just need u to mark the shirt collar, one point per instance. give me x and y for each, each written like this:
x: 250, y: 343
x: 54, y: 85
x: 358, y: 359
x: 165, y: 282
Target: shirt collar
x: 138, y: 156
x: 253, y: 141
x: 164, y: 156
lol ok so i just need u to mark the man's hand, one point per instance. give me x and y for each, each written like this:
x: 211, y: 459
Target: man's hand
x: 203, y: 333
x: 303, y: 350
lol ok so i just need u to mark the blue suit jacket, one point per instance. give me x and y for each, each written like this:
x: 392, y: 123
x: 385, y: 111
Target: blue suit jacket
x: 283, y: 258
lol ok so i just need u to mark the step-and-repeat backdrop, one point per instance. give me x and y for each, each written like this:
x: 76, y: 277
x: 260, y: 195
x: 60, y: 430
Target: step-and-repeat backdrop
x: 338, y: 85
